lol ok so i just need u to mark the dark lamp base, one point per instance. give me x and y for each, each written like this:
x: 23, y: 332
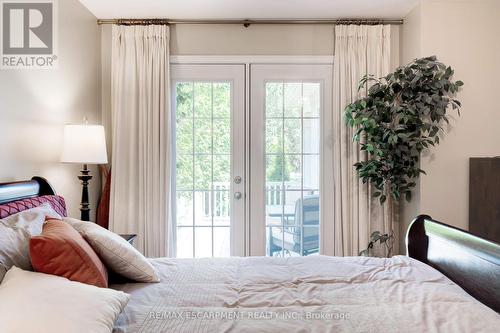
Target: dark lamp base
x: 85, y: 205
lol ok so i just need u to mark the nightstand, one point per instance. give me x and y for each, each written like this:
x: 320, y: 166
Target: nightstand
x: 129, y: 238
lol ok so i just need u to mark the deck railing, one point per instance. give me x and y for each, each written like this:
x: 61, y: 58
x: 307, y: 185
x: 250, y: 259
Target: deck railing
x: 275, y: 196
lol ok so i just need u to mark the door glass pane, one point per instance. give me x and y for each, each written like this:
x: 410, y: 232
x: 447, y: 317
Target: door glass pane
x: 203, y: 242
x: 293, y: 135
x: 274, y: 136
x: 202, y: 135
x: 292, y: 168
x: 203, y: 169
x: 311, y: 99
x: 293, y: 99
x: 184, y: 211
x: 202, y: 99
x: 293, y: 179
x: 222, y: 100
x: 311, y: 172
x: 221, y: 206
x: 184, y: 236
x: 202, y: 172
x: 202, y: 208
x: 274, y: 99
x: 222, y: 135
x: 221, y: 241
x: 311, y: 139
x: 185, y: 134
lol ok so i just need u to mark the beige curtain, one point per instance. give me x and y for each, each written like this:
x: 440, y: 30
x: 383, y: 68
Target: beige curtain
x: 140, y: 104
x: 359, y: 50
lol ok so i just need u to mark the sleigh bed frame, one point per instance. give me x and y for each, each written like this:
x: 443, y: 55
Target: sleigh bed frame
x: 470, y: 261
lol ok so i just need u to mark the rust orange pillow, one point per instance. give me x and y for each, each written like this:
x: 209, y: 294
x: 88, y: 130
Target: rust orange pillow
x: 60, y: 250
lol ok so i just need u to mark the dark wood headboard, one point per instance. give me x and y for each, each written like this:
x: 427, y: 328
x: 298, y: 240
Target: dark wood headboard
x: 470, y: 261
x: 35, y: 187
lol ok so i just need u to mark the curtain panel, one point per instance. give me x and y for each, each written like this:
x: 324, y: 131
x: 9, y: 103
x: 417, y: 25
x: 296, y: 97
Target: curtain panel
x: 359, y: 50
x: 141, y: 131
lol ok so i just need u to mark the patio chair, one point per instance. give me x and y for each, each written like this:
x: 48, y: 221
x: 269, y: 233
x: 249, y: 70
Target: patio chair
x: 303, y: 229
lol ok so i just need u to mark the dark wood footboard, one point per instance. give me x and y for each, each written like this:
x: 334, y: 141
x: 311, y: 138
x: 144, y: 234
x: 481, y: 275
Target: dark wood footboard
x: 470, y: 261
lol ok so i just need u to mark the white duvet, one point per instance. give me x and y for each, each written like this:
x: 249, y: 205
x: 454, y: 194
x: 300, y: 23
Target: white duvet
x: 301, y: 294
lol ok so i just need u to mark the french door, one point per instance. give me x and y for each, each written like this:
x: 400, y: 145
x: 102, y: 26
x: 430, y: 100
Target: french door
x: 291, y: 158
x: 251, y: 153
x: 209, y: 111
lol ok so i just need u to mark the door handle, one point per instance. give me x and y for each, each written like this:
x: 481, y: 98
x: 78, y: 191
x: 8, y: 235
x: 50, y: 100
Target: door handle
x: 238, y: 195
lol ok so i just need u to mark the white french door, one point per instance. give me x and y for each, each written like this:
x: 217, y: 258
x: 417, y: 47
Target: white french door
x: 291, y: 125
x: 209, y: 110
x: 251, y: 150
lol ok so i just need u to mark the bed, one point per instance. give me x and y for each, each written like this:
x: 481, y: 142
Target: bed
x: 448, y: 282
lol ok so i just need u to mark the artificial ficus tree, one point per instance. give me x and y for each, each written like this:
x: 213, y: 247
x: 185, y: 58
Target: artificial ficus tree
x: 401, y: 116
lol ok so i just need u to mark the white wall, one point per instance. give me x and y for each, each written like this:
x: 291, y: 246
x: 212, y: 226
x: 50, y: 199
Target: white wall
x: 235, y: 39
x: 410, y: 49
x: 465, y: 35
x: 35, y: 104
x: 411, y: 36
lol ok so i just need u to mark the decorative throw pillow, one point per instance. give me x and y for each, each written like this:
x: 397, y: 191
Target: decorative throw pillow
x: 42, y: 303
x: 60, y: 250
x: 116, y: 252
x: 15, y: 233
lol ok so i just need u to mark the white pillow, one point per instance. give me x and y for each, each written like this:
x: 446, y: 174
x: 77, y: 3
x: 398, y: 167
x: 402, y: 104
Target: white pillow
x: 16, y: 231
x: 37, y: 302
x: 116, y: 252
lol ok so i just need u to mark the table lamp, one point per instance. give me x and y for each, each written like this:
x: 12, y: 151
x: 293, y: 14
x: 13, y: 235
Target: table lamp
x: 84, y: 144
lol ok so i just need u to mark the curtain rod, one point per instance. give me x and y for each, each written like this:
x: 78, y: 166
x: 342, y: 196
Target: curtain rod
x: 247, y: 23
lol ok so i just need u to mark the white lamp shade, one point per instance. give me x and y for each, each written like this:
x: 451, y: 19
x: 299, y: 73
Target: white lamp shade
x: 84, y: 144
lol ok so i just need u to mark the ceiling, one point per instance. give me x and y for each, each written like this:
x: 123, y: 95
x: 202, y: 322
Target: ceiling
x: 249, y: 9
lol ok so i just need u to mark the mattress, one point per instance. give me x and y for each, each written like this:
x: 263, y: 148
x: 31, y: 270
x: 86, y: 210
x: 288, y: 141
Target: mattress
x: 301, y: 294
